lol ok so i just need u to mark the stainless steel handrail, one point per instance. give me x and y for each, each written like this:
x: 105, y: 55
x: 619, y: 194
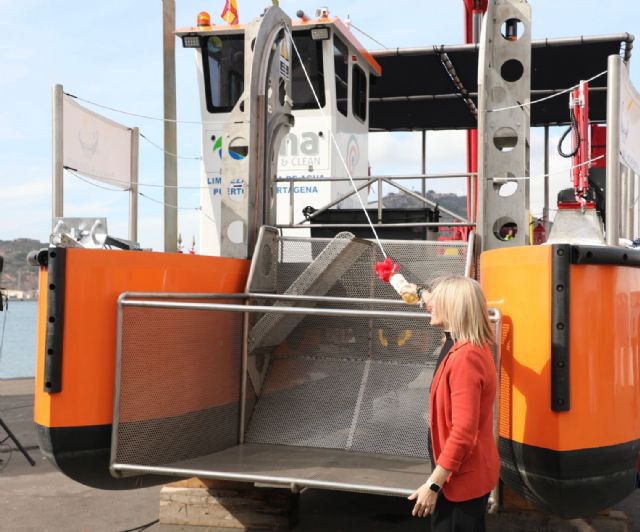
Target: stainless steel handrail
x: 124, y: 301
x: 371, y: 181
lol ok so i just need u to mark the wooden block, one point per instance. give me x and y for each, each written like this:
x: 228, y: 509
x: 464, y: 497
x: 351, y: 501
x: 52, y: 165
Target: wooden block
x: 512, y: 501
x: 195, y: 482
x: 244, y: 507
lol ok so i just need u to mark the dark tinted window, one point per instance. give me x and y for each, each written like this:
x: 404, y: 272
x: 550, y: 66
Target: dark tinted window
x: 341, y: 65
x: 359, y: 93
x: 311, y: 54
x: 223, y: 71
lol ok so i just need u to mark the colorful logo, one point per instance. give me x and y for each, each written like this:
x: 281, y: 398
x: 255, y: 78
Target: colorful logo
x: 217, y: 145
x: 353, y: 153
x: 236, y: 155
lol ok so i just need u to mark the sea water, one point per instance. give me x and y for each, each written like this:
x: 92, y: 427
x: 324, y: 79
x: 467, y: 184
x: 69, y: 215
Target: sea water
x: 18, y: 347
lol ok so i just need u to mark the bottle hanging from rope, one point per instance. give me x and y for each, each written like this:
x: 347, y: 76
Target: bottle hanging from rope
x: 388, y: 272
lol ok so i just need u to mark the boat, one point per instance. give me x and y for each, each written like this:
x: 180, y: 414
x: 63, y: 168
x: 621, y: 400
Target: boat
x: 276, y: 357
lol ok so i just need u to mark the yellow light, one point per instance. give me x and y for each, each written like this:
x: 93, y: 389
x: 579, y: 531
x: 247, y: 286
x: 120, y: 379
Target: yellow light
x: 204, y: 19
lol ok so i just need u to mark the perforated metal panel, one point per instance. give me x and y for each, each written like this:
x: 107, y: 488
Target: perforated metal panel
x: 281, y: 260
x: 318, y: 277
x: 179, y: 386
x: 359, y: 384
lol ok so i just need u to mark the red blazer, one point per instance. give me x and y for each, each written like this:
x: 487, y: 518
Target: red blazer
x: 461, y: 406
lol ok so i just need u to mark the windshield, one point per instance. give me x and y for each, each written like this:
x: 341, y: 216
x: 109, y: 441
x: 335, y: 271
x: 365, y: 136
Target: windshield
x: 311, y: 54
x: 223, y: 71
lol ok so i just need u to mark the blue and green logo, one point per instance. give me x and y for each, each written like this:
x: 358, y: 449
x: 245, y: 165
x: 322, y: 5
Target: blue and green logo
x: 235, y: 152
x: 217, y: 145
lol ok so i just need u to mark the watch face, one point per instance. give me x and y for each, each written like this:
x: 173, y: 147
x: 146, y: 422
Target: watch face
x: 434, y: 487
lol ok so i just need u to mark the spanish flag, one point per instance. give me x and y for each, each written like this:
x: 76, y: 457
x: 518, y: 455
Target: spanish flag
x: 230, y: 12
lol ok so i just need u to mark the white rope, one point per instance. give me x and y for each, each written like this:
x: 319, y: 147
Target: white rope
x: 564, y: 91
x: 129, y: 113
x: 153, y: 185
x: 199, y: 209
x: 198, y: 158
x: 335, y: 143
x: 555, y: 172
x: 352, y: 25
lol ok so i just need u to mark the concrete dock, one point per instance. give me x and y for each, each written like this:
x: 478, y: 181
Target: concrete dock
x: 40, y: 498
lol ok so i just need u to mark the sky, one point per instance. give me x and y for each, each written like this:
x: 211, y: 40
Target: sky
x: 111, y: 53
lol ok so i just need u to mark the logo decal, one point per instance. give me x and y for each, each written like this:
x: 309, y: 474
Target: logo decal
x: 353, y: 153
x: 217, y: 145
x: 235, y: 155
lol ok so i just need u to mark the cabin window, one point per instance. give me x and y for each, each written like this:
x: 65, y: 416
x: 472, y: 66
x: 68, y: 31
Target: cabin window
x: 341, y: 66
x: 311, y: 54
x: 359, y: 93
x: 223, y: 71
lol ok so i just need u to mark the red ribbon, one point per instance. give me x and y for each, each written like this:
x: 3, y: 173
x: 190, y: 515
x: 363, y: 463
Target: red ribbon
x: 385, y: 269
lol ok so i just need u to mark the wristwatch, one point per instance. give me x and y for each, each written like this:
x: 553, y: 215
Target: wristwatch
x: 419, y: 293
x: 433, y: 486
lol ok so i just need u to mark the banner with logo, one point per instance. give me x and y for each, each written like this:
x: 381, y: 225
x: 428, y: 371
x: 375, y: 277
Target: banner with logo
x: 629, y: 122
x: 95, y: 146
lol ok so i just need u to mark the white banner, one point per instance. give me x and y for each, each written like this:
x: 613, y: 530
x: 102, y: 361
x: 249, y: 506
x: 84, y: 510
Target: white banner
x: 629, y: 122
x: 96, y: 146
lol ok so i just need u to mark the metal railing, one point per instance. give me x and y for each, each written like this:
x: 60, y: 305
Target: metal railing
x: 149, y: 300
x: 370, y: 181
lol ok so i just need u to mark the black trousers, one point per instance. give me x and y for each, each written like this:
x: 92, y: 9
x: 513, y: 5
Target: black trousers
x: 464, y: 516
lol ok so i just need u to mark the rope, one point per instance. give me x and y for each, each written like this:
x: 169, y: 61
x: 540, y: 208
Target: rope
x: 352, y: 25
x: 198, y: 158
x: 155, y: 185
x: 335, y: 143
x: 564, y: 91
x: 506, y: 179
x: 129, y: 113
x: 199, y: 209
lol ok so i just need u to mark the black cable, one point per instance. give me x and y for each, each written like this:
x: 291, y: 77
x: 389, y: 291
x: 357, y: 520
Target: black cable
x: 574, y: 127
x: 462, y: 92
x: 142, y: 527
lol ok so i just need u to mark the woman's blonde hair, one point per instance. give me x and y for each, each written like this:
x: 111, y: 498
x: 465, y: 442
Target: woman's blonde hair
x: 461, y: 305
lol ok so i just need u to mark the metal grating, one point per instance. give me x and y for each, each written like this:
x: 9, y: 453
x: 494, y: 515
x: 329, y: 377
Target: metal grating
x: 179, y: 387
x: 332, y: 384
x: 421, y: 262
x: 394, y: 414
x: 358, y: 384
x: 317, y: 278
x: 300, y: 392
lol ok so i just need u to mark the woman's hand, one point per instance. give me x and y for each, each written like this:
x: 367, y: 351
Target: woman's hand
x: 425, y: 501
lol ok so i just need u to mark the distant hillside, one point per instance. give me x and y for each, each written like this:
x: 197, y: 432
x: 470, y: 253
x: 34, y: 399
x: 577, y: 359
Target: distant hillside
x: 452, y: 202
x: 17, y: 274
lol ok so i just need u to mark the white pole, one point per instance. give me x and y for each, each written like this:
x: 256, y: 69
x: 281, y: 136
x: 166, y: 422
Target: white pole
x: 613, y: 150
x: 545, y: 208
x: 133, y: 188
x: 170, y: 137
x: 57, y: 173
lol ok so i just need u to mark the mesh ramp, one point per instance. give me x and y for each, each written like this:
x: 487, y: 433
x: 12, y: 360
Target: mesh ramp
x: 343, y: 403
x: 357, y: 383
x: 319, y: 276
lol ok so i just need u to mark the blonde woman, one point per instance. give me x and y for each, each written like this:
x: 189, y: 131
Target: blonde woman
x: 464, y: 450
